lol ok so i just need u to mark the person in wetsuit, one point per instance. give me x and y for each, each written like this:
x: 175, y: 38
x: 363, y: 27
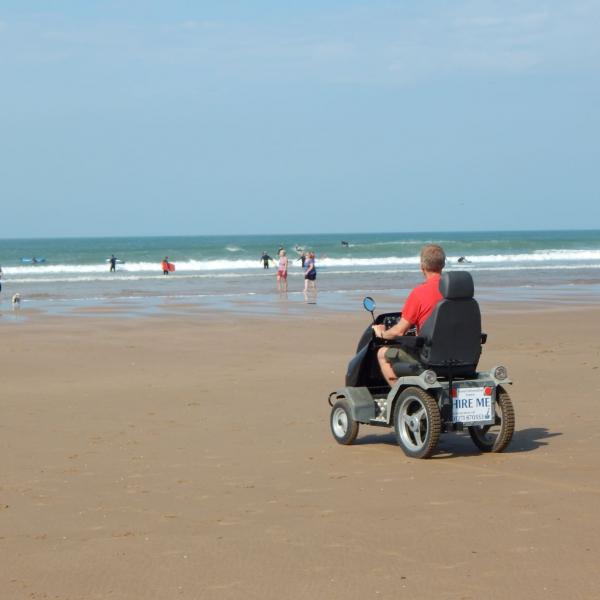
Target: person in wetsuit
x: 265, y: 258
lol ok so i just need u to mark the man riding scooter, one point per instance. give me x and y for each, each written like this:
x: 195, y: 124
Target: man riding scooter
x: 418, y: 306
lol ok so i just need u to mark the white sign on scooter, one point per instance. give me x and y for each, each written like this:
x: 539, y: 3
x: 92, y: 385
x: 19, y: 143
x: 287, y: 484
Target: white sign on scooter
x: 472, y: 405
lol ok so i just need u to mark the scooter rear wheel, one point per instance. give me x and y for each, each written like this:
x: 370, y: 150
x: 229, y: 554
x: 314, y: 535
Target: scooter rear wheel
x: 495, y: 438
x: 343, y: 427
x: 417, y: 422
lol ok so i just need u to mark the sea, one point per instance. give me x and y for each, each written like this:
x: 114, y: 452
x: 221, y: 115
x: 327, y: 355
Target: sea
x: 71, y: 275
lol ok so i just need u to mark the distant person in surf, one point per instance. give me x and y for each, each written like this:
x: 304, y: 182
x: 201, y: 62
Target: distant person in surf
x: 165, y: 266
x: 265, y: 259
x: 0, y: 278
x: 282, y: 272
x: 310, y: 273
x: 463, y: 260
x: 113, y: 263
x: 345, y: 244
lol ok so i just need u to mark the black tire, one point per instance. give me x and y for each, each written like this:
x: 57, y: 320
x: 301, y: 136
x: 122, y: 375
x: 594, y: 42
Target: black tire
x: 343, y: 427
x: 495, y: 438
x: 417, y: 422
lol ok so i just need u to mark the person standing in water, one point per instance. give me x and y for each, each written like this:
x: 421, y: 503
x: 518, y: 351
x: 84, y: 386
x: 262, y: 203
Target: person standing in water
x: 165, y: 266
x: 265, y: 259
x: 113, y: 263
x: 282, y: 271
x: 310, y: 272
x: 302, y: 258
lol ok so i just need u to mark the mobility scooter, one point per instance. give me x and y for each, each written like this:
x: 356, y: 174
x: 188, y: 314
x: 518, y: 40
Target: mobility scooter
x: 440, y: 391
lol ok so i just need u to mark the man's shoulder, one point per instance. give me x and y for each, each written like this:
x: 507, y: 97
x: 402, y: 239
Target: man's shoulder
x: 425, y: 288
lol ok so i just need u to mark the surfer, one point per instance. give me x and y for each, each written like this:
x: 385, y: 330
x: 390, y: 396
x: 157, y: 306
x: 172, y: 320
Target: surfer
x: 463, y: 260
x: 0, y: 278
x: 265, y: 259
x: 166, y: 265
x: 345, y: 244
x: 113, y: 263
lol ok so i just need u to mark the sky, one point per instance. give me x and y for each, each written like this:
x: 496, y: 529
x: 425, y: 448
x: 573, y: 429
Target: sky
x: 130, y: 117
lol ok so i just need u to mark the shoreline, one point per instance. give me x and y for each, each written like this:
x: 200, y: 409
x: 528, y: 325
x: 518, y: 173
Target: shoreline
x: 493, y: 299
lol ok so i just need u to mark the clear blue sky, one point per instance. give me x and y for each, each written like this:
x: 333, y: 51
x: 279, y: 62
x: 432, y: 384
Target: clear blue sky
x: 180, y: 117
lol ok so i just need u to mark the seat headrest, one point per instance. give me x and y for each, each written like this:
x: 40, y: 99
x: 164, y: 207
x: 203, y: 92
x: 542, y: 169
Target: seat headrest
x: 457, y: 284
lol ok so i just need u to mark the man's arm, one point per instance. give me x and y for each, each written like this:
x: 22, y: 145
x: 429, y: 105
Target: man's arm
x: 399, y: 329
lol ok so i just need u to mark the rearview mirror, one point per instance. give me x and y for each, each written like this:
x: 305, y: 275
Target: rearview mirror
x: 369, y: 304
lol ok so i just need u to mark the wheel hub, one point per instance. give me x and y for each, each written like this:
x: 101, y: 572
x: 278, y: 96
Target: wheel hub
x: 340, y: 423
x: 413, y: 424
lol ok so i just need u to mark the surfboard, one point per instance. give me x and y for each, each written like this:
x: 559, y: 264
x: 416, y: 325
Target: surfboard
x: 167, y: 266
x: 33, y: 260
x: 171, y: 267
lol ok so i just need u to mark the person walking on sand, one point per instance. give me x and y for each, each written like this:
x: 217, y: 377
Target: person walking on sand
x: 265, y: 259
x: 310, y: 272
x: 282, y: 271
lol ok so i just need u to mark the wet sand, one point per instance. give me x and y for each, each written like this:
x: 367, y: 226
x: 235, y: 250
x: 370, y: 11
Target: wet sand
x: 190, y: 457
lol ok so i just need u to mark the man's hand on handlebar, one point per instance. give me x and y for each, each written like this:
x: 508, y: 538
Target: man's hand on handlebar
x: 397, y: 330
x: 378, y: 330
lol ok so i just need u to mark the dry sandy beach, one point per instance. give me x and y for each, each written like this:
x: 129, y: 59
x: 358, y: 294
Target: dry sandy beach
x: 190, y: 457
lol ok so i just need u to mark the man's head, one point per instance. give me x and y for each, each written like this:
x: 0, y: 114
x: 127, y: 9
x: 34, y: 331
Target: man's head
x: 433, y: 258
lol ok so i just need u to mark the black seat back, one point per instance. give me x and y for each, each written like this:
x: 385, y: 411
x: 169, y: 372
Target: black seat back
x: 453, y: 330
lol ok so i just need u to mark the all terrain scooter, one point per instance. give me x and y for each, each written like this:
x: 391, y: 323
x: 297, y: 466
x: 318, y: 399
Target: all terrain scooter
x: 440, y: 391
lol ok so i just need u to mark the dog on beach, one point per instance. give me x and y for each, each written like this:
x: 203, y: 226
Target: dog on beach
x: 16, y: 300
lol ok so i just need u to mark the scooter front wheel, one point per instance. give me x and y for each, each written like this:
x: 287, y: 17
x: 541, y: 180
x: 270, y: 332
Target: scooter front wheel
x: 343, y: 427
x: 417, y: 422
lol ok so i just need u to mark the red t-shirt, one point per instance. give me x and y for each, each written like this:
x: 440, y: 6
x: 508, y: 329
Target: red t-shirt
x: 421, y: 301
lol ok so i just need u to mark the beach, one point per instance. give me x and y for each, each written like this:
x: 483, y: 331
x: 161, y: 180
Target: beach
x: 208, y: 210
x: 189, y: 456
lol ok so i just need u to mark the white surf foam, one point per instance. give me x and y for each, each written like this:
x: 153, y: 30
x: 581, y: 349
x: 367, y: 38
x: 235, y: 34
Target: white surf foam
x: 552, y: 258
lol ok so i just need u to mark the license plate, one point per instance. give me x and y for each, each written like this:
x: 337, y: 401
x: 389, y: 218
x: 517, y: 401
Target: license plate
x: 472, y: 405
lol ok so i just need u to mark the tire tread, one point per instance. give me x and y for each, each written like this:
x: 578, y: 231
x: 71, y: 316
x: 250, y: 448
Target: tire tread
x: 434, y: 418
